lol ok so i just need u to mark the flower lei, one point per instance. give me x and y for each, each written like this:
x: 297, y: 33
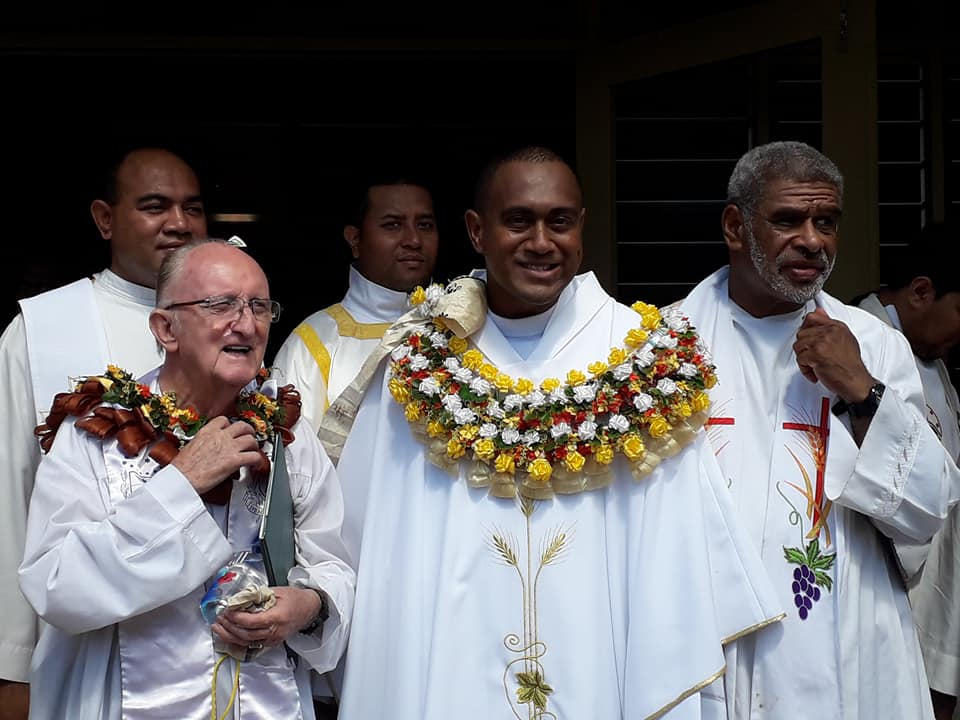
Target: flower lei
x: 644, y: 402
x: 162, y: 412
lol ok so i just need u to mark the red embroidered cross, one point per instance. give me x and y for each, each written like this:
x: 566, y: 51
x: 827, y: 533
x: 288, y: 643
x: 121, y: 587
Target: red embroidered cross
x: 822, y: 431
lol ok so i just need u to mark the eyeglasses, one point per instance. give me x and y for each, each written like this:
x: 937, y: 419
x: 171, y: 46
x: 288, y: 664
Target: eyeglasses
x: 232, y: 307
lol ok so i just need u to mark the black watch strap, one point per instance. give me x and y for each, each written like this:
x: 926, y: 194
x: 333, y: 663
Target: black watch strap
x: 863, y: 409
x: 321, y: 616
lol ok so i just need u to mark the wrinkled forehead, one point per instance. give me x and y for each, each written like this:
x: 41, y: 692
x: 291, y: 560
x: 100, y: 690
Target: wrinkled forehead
x: 217, y: 269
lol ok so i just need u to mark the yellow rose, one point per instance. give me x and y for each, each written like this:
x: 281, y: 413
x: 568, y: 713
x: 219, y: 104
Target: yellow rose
x: 650, y: 316
x: 505, y: 464
x: 575, y: 377
x: 488, y: 372
x: 523, y: 386
x: 399, y: 390
x: 435, y: 429
x: 503, y: 382
x: 418, y: 296
x: 540, y: 470
x: 468, y: 432
x: 472, y: 359
x: 574, y: 461
x: 635, y: 338
x: 597, y: 368
x: 604, y: 454
x: 455, y: 448
x: 439, y: 324
x: 616, y: 357
x: 700, y: 401
x: 659, y: 426
x: 484, y: 448
x: 633, y: 446
x: 709, y: 380
x: 550, y: 384
x: 412, y: 411
x: 457, y: 345
x: 114, y: 370
x: 683, y: 409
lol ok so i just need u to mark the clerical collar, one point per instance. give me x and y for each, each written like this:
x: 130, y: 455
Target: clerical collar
x: 115, y: 284
x: 368, y: 301
x: 894, y: 316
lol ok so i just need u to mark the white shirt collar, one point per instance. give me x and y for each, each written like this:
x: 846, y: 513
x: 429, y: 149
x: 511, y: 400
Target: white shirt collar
x: 368, y: 302
x: 113, y: 283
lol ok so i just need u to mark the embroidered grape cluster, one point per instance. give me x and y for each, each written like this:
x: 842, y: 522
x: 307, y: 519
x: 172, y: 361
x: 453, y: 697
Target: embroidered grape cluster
x: 805, y: 590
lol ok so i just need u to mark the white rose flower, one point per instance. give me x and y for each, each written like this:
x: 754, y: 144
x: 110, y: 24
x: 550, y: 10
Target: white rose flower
x: 531, y: 438
x: 480, y: 386
x: 434, y: 293
x: 452, y: 403
x: 704, y: 353
x: 452, y: 364
x: 688, y: 369
x: 642, y: 402
x: 559, y: 430
x: 510, y: 435
x: 667, y: 341
x: 464, y: 416
x: 400, y: 352
x: 488, y: 430
x: 429, y: 386
x: 667, y: 386
x: 622, y: 372
x: 644, y: 358
x: 495, y: 411
x: 512, y: 401
x: 675, y: 320
x: 618, y: 422
x: 559, y: 395
x: 438, y: 339
x: 585, y: 393
x: 587, y: 430
x: 463, y: 375
x: 535, y: 399
x: 418, y: 362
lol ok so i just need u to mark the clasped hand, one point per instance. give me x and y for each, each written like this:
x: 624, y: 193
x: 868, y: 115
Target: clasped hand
x: 294, y: 609
x: 216, y: 452
x: 827, y: 352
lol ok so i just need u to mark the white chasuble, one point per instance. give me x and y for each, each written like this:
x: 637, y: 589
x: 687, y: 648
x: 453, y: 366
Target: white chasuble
x: 823, y: 513
x: 604, y: 604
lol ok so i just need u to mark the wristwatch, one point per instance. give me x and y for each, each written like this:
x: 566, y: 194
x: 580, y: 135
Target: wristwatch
x: 322, y: 614
x: 865, y: 408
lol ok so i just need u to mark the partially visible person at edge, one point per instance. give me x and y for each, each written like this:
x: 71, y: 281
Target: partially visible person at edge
x: 127, y: 529
x: 393, y: 239
x: 509, y: 563
x: 818, y: 422
x: 150, y: 204
x: 922, y: 300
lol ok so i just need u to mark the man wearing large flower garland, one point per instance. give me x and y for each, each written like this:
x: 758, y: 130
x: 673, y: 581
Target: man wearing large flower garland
x: 819, y: 424
x: 142, y: 500
x: 541, y: 529
x: 151, y: 203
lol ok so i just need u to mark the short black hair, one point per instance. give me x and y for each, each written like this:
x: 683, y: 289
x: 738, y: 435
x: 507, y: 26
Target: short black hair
x: 361, y: 202
x: 109, y: 186
x: 930, y: 253
x: 528, y: 153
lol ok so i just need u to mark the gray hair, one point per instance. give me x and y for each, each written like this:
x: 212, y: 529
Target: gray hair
x: 788, y: 160
x: 172, y: 265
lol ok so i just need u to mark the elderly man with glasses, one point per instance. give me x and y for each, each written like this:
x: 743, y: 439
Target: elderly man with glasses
x: 151, y: 486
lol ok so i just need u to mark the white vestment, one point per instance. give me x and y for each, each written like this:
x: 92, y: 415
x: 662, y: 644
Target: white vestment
x: 118, y: 556
x: 120, y: 329
x: 854, y: 654
x: 324, y: 353
x: 618, y: 599
x: 936, y: 597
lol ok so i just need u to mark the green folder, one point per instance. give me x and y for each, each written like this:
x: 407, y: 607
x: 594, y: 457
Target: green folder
x: 276, y: 527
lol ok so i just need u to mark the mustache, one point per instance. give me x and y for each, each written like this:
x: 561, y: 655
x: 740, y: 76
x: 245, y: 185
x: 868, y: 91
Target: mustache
x: 803, y: 256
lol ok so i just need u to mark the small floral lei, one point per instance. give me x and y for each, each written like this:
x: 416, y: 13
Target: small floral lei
x: 161, y: 411
x: 644, y: 402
